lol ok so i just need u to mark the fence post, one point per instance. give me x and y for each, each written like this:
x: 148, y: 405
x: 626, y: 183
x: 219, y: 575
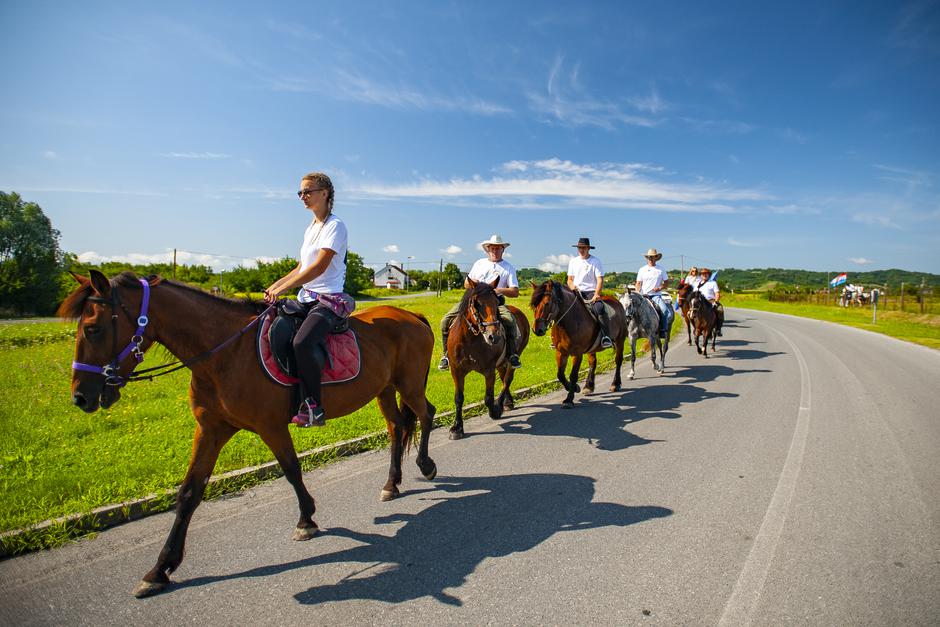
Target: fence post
x: 901, y: 297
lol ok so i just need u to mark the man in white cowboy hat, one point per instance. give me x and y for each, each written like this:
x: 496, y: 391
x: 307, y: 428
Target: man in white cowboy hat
x: 651, y: 280
x: 586, y: 276
x: 489, y: 268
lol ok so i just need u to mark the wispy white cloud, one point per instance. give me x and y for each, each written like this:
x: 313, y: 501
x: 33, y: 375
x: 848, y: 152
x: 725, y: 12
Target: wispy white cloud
x: 195, y: 155
x: 555, y: 263
x: 557, y: 183
x: 82, y: 190
x: 917, y: 28
x: 565, y: 101
x: 911, y: 178
x: 793, y: 209
x: 391, y: 248
x: 452, y: 250
x: 862, y: 261
x: 650, y: 103
x: 730, y: 127
x: 875, y: 219
x: 792, y: 136
x: 744, y: 244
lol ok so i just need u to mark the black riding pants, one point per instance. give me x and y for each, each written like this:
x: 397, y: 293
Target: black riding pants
x: 312, y: 331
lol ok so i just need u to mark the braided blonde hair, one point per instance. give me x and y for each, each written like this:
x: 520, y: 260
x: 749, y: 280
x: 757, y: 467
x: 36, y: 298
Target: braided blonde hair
x: 322, y: 180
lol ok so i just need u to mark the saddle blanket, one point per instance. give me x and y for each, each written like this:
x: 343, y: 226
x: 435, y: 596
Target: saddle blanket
x: 341, y: 362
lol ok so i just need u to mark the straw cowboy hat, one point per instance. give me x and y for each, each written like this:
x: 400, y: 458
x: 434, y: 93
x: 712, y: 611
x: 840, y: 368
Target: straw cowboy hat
x: 494, y: 240
x: 583, y: 241
x: 652, y: 252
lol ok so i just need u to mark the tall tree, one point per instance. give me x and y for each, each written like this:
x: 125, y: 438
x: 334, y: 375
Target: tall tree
x: 358, y: 276
x: 30, y: 257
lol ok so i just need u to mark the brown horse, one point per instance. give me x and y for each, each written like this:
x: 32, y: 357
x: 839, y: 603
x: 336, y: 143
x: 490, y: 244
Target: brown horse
x: 229, y: 392
x: 704, y: 322
x: 477, y: 343
x: 683, y: 299
x: 575, y: 332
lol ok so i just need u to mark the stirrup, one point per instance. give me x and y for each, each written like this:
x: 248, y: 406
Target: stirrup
x: 444, y: 363
x: 309, y: 415
x: 606, y: 342
x: 514, y: 361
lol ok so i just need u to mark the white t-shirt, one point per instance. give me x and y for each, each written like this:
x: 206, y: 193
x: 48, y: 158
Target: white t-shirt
x: 709, y: 290
x: 330, y: 234
x: 486, y: 270
x: 651, y: 278
x: 585, y: 272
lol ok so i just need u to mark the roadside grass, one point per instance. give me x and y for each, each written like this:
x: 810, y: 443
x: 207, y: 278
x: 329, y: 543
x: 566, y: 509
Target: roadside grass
x: 56, y: 460
x: 921, y: 329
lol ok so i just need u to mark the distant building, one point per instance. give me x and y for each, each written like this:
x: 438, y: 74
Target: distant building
x: 391, y: 277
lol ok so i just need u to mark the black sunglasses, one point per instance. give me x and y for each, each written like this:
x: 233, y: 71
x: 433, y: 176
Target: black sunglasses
x: 304, y: 192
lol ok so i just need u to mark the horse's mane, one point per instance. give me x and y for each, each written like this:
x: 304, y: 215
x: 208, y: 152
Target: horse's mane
x: 481, y: 289
x: 74, y: 304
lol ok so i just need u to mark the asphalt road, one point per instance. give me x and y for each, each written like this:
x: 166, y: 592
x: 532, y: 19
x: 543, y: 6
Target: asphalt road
x: 790, y: 478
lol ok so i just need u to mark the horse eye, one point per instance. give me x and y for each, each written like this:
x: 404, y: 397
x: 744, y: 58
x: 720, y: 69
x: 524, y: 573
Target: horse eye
x: 92, y: 332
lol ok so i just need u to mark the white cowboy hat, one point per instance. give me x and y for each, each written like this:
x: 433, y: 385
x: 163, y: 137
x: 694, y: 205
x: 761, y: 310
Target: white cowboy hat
x: 653, y: 253
x: 494, y: 240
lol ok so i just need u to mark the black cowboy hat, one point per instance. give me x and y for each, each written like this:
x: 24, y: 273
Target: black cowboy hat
x: 583, y: 241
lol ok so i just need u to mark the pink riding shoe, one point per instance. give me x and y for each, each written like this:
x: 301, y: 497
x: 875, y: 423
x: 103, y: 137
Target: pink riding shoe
x: 309, y: 415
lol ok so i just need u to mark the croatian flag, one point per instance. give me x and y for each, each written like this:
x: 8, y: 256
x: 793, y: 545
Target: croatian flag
x: 839, y: 280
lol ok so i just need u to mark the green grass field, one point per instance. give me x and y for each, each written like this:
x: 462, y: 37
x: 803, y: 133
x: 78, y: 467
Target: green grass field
x: 56, y: 460
x: 918, y: 328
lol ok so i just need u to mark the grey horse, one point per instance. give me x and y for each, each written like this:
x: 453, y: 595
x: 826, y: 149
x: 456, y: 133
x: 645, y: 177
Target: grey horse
x: 643, y: 321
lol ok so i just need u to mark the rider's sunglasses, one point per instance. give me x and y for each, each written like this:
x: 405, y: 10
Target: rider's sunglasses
x: 306, y: 192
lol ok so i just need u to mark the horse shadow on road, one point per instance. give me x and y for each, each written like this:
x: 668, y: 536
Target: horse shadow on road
x: 471, y: 519
x: 602, y: 418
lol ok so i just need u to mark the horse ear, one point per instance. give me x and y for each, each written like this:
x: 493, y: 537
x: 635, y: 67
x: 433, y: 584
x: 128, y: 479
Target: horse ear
x: 100, y: 283
x: 471, y: 282
x: 532, y: 283
x: 494, y: 283
x: 81, y: 279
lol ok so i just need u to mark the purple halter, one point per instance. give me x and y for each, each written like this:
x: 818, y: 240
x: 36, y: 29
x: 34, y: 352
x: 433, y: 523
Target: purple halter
x: 110, y: 371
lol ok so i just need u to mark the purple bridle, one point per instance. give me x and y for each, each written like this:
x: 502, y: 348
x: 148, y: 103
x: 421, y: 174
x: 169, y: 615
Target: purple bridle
x: 133, y: 347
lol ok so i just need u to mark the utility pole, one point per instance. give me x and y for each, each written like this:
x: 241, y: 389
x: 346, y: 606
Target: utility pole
x: 901, y: 297
x: 440, y: 277
x: 174, y: 263
x: 922, y: 289
x: 681, y: 267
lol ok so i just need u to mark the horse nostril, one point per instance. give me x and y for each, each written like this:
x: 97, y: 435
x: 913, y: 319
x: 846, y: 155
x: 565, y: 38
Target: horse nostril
x: 78, y: 399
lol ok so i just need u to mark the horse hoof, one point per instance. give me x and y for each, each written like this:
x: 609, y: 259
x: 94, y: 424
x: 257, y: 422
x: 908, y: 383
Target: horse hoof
x: 148, y: 588
x: 301, y: 534
x: 567, y: 405
x: 661, y: 371
x: 430, y: 474
x: 615, y: 388
x: 587, y: 391
x: 456, y: 435
x: 388, y: 495
x: 631, y: 376
x: 577, y: 388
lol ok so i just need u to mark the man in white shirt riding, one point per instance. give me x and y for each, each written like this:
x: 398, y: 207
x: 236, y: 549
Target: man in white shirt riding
x: 709, y: 290
x: 586, y: 276
x: 651, y: 280
x: 486, y: 270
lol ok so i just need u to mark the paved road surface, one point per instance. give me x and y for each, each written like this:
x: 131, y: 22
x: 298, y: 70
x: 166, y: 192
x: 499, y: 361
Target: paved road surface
x: 790, y: 479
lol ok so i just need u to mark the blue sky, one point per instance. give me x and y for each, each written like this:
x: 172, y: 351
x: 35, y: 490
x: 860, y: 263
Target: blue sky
x: 805, y: 135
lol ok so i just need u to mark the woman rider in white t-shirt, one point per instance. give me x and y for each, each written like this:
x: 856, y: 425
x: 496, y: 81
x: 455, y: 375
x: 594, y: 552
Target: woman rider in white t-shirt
x: 320, y: 274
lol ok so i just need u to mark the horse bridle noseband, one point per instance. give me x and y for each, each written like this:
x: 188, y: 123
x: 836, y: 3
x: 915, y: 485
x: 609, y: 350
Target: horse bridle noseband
x: 110, y: 371
x: 551, y: 323
x: 476, y: 327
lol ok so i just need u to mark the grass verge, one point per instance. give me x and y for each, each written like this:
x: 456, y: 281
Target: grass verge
x: 921, y: 329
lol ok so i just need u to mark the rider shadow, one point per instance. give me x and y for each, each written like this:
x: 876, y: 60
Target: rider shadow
x: 471, y: 519
x: 661, y: 401
x: 605, y: 430
x: 736, y: 353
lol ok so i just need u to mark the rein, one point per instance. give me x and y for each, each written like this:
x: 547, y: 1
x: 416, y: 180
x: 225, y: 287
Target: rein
x: 476, y: 327
x: 110, y: 371
x: 559, y: 318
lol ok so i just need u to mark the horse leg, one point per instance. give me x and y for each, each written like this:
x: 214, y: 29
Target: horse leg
x: 505, y: 396
x: 573, y: 379
x: 413, y: 396
x: 494, y: 409
x: 664, y: 348
x: 456, y: 430
x: 398, y: 438
x: 208, y: 440
x: 654, y: 344
x: 589, y: 380
x: 688, y: 328
x: 618, y: 362
x: 697, y: 349
x: 632, y: 374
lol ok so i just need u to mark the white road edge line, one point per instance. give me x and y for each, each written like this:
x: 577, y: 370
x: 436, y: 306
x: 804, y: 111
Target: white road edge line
x: 742, y: 604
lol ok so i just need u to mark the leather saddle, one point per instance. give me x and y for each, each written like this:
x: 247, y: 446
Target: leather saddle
x: 338, y: 355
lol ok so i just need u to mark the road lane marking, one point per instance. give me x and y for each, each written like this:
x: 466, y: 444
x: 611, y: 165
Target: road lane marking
x: 742, y: 604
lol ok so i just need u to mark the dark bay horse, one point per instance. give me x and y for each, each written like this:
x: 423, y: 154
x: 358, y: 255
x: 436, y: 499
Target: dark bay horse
x: 704, y: 322
x: 576, y: 332
x: 477, y: 342
x: 643, y: 321
x: 683, y: 299
x: 229, y: 392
